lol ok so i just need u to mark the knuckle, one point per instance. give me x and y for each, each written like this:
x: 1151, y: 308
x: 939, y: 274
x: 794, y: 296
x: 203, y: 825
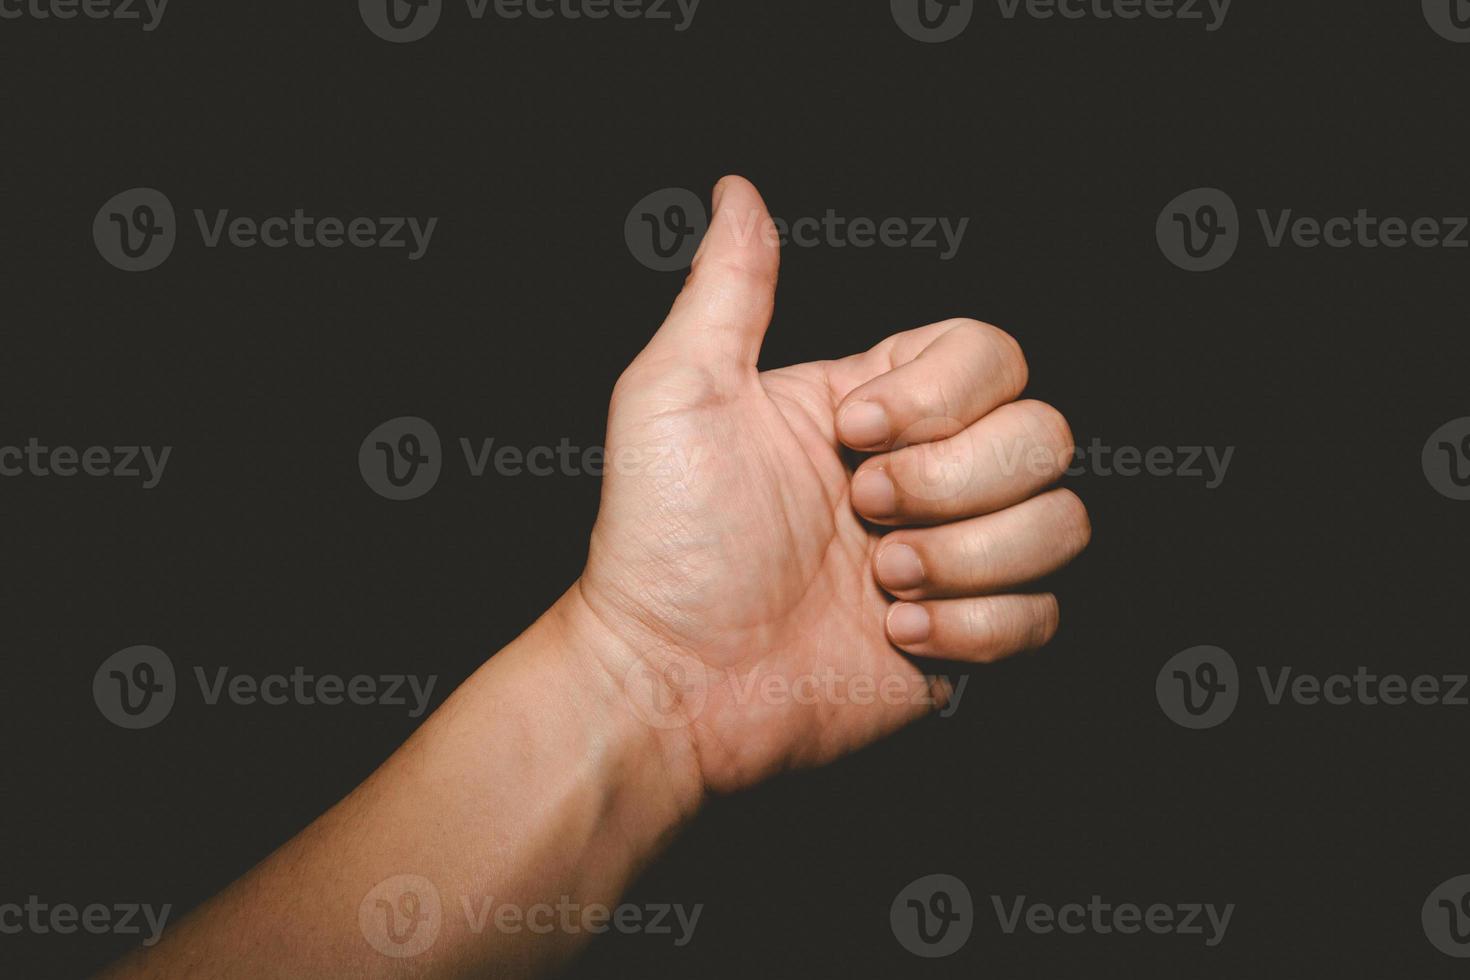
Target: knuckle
x: 928, y: 474
x: 1075, y: 518
x: 1046, y: 623
x: 980, y: 626
x: 998, y: 349
x: 970, y: 326
x: 1012, y: 359
x: 977, y: 556
x: 929, y: 422
x: 932, y: 404
x: 995, y: 346
x: 1049, y: 426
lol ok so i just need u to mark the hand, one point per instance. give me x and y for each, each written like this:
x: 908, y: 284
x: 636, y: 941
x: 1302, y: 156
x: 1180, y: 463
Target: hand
x: 739, y: 569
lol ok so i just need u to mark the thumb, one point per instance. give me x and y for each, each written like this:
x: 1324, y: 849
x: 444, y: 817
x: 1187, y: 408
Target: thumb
x: 722, y: 314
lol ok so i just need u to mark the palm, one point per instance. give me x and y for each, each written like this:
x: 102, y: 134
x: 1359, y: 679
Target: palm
x: 764, y: 583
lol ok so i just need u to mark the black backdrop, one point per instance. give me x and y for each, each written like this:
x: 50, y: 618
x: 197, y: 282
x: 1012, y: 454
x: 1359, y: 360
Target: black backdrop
x: 1059, y: 777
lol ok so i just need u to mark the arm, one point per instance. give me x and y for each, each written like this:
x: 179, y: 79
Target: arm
x: 534, y: 783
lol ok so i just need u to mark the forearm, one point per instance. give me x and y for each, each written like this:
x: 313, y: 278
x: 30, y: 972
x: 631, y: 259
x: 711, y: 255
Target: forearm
x: 533, y: 784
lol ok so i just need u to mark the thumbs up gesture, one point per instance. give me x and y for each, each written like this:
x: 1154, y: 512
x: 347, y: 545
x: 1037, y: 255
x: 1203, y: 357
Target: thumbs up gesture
x: 754, y: 594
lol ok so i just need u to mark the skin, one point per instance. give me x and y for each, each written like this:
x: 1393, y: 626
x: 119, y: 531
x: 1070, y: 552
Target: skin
x: 736, y: 557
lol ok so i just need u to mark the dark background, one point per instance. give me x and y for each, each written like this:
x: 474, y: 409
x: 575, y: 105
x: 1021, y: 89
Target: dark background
x: 1059, y: 777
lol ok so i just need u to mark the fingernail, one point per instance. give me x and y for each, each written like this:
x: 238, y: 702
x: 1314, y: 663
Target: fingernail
x: 873, y: 494
x: 908, y: 623
x: 899, y: 568
x: 863, y: 424
x: 717, y: 195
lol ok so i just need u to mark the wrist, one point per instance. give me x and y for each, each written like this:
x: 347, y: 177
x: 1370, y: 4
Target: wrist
x: 632, y: 718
